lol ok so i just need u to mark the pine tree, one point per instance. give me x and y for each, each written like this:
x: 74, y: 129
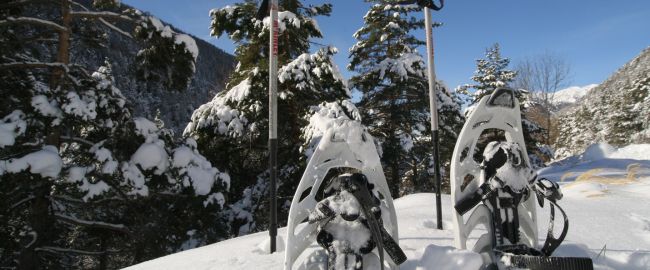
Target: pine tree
x: 78, y: 173
x: 233, y: 127
x: 491, y: 73
x: 393, y: 82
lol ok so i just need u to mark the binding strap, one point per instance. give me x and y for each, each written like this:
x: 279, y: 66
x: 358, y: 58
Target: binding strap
x: 551, y: 242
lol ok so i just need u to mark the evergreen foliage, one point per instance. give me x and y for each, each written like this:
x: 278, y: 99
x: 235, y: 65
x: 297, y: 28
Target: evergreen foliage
x: 83, y: 183
x: 233, y: 127
x: 393, y: 82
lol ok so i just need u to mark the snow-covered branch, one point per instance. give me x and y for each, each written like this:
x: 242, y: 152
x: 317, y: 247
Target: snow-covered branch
x: 93, y: 224
x: 100, y: 15
x: 29, y: 198
x: 79, y: 140
x: 33, y: 65
x: 103, y: 21
x: 68, y: 250
x: 36, y: 21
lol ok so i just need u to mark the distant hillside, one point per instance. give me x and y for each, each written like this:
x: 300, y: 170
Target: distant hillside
x: 569, y: 96
x: 617, y: 111
x: 212, y: 69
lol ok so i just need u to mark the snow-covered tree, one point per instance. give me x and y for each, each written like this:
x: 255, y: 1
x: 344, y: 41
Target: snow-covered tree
x: 393, y: 82
x: 84, y: 184
x: 491, y: 73
x: 233, y: 127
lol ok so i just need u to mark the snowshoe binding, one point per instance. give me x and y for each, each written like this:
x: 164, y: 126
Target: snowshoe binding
x: 354, y: 218
x: 500, y: 192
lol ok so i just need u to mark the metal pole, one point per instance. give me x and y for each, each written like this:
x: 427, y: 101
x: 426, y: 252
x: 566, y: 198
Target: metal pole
x: 273, y: 121
x: 433, y: 107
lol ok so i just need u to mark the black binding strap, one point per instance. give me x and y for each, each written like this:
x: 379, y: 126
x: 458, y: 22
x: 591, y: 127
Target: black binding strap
x: 553, y: 243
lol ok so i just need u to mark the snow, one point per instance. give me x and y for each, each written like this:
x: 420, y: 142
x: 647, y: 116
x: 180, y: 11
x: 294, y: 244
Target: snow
x: 45, y: 162
x: 218, y: 115
x: 167, y: 32
x: 612, y: 226
x: 151, y: 156
x: 284, y: 18
x: 12, y: 126
x: 325, y: 116
x: 571, y: 94
x: 402, y: 66
x: 84, y: 107
x: 46, y: 108
x: 238, y: 93
x: 196, y: 170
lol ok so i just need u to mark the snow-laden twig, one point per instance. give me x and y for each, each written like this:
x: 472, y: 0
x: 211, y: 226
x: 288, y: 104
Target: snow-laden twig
x: 31, y: 20
x: 94, y: 224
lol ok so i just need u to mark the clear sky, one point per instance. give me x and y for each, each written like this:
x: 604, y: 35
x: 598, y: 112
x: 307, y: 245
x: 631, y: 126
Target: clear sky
x: 595, y: 36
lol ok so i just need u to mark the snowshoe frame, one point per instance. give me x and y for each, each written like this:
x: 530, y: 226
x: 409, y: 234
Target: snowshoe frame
x: 349, y: 146
x: 497, y: 111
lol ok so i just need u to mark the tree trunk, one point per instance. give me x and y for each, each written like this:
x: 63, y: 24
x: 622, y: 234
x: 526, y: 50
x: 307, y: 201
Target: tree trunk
x: 42, y: 222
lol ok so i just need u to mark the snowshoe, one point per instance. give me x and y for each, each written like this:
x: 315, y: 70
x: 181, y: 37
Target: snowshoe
x: 499, y: 192
x: 347, y: 147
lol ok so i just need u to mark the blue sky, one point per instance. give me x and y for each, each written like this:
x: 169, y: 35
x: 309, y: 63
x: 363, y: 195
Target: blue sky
x: 595, y: 36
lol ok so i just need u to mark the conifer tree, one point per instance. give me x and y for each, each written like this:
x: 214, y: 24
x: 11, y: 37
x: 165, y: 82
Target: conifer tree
x: 82, y: 182
x: 393, y: 82
x: 491, y: 73
x: 233, y: 127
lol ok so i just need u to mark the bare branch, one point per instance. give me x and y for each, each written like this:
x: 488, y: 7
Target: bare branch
x: 93, y: 224
x: 35, y: 21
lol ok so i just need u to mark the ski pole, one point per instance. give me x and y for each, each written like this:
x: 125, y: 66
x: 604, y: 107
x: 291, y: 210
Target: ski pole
x: 273, y: 114
x: 433, y: 107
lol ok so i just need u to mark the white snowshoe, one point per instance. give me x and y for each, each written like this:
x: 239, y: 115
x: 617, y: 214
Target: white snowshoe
x: 498, y: 111
x: 500, y: 193
x: 348, y: 146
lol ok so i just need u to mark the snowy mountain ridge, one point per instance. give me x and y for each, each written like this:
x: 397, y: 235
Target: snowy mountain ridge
x: 597, y: 185
x: 571, y: 95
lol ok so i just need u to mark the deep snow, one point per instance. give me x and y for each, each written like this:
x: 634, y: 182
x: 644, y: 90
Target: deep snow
x: 605, y: 197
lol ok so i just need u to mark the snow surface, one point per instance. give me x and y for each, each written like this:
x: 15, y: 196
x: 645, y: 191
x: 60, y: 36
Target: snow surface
x: 606, y: 201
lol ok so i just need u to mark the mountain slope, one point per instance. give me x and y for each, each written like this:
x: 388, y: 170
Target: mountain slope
x: 595, y: 193
x: 213, y: 67
x: 616, y: 111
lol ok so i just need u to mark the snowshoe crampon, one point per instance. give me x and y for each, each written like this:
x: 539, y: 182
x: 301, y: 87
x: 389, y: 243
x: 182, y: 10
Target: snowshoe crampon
x: 348, y: 146
x: 499, y: 192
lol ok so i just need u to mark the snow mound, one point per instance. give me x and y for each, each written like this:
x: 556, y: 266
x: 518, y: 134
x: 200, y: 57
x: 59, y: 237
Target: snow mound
x: 598, y: 151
